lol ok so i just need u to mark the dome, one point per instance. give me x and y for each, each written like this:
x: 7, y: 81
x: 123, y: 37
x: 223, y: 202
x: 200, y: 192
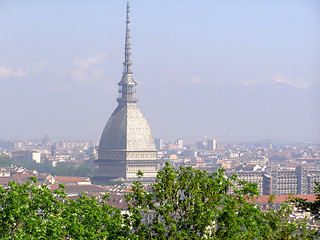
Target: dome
x: 127, y: 129
x: 126, y: 145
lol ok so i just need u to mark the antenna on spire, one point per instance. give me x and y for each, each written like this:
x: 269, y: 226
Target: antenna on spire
x: 127, y: 53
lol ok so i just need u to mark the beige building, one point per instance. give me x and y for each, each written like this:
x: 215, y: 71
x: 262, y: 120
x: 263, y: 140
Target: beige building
x: 126, y: 145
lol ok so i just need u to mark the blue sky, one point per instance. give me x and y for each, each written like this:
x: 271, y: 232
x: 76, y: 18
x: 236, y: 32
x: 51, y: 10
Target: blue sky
x: 203, y: 68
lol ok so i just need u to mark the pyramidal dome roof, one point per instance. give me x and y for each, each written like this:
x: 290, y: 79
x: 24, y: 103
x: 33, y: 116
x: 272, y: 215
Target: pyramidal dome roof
x: 127, y: 129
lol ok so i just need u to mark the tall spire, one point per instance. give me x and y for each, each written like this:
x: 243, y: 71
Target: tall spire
x: 126, y: 143
x: 127, y: 86
x: 127, y: 53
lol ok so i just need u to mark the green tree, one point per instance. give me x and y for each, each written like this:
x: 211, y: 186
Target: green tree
x: 181, y: 204
x: 83, y: 171
x: 29, y: 164
x: 65, y: 169
x: 28, y: 211
x: 62, y: 169
x: 5, y: 161
x: 312, y: 207
x: 192, y: 204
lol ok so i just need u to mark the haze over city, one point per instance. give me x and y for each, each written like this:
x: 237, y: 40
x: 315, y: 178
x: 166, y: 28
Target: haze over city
x: 206, y: 68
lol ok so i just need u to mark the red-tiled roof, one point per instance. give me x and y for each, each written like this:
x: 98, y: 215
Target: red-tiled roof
x: 200, y: 161
x: 284, y: 198
x: 80, y: 188
x: 64, y: 179
x: 118, y: 201
x: 19, y: 179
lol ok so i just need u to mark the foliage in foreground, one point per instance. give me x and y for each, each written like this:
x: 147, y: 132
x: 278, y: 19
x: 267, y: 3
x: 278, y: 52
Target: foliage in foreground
x: 192, y: 204
x: 28, y: 211
x: 312, y: 207
x: 182, y: 204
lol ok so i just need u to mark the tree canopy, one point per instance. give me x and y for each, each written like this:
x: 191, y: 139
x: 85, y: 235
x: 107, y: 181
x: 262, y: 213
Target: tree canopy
x: 183, y: 203
x: 192, y: 204
x: 312, y: 207
x: 62, y: 169
x: 28, y: 211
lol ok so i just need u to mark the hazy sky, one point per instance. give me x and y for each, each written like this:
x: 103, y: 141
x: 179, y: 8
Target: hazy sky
x: 203, y: 68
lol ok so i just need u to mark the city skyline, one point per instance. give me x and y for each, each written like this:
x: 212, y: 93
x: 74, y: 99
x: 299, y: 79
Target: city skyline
x: 211, y: 69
